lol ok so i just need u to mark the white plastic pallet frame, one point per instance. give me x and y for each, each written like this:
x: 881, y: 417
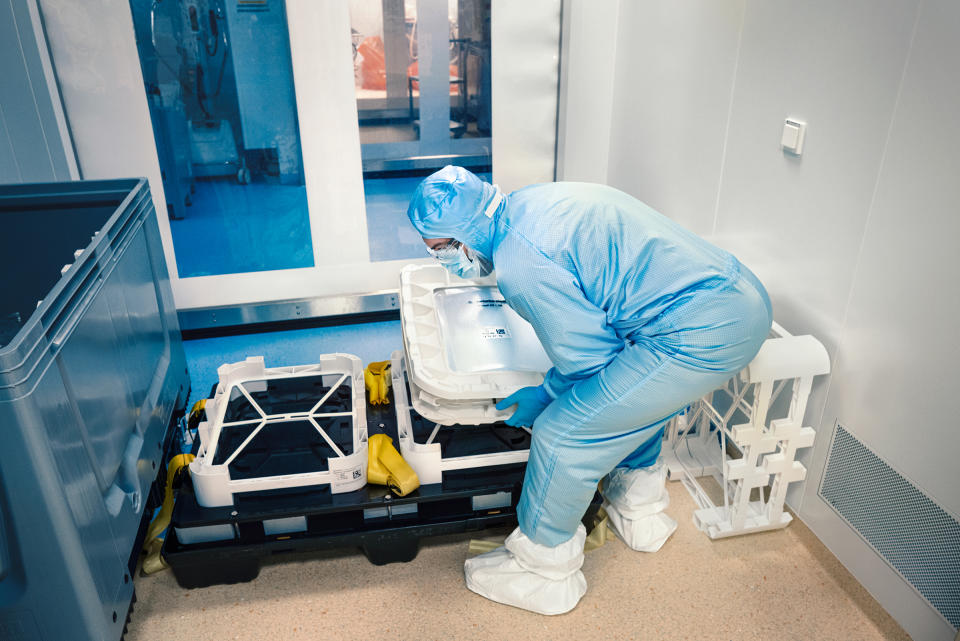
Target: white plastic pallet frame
x: 426, y: 359
x: 426, y: 458
x: 696, y: 442
x: 345, y: 473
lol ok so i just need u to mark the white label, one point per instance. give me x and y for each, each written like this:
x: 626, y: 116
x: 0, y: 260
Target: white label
x: 494, y: 333
x: 348, y: 476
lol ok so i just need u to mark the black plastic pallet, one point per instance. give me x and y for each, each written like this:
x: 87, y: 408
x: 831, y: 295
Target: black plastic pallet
x: 342, y: 521
x: 386, y: 528
x: 369, y: 519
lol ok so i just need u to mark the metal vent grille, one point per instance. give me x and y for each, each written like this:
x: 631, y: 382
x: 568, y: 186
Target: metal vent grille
x: 916, y: 536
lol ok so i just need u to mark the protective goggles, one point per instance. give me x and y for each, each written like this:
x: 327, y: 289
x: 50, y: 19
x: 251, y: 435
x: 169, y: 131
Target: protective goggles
x: 446, y: 252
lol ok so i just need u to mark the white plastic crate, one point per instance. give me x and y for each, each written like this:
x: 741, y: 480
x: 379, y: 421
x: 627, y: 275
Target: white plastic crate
x: 485, y: 354
x: 427, y: 457
x: 257, y: 412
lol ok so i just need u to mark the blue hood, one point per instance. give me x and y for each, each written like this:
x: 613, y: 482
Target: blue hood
x: 453, y: 203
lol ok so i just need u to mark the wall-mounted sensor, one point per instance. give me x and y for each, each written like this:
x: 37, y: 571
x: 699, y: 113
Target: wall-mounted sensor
x: 792, y: 139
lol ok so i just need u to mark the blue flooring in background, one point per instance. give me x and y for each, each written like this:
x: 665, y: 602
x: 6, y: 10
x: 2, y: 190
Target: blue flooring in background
x: 368, y: 341
x: 390, y: 233
x: 233, y: 228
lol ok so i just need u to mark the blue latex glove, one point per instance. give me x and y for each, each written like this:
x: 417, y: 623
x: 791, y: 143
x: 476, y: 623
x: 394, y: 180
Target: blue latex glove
x: 530, y: 401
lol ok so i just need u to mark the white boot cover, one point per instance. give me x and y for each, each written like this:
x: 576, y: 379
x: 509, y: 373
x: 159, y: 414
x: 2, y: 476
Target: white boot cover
x: 635, y: 501
x: 527, y: 575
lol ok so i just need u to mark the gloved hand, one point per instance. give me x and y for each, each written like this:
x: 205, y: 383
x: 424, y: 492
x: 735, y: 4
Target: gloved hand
x: 530, y: 401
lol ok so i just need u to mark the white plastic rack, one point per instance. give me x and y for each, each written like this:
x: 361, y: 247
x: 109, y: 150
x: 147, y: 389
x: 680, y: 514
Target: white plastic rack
x: 261, y: 422
x: 745, y: 436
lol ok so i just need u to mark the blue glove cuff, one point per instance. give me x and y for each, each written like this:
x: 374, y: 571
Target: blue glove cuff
x: 543, y: 395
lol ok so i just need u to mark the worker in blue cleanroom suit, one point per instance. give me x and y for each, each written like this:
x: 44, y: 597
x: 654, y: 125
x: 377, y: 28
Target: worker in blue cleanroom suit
x: 639, y: 317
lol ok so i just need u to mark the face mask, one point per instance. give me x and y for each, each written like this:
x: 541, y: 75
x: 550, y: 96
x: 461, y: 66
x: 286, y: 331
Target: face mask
x: 454, y: 258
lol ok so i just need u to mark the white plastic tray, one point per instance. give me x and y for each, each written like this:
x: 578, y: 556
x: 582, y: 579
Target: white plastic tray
x: 212, y: 481
x: 444, y: 412
x: 427, y: 458
x: 429, y: 339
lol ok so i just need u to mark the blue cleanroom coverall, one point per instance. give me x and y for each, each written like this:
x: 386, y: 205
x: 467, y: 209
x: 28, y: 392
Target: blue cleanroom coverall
x: 638, y: 315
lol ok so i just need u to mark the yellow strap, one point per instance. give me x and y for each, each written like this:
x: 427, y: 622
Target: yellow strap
x: 151, y: 547
x: 385, y: 466
x: 198, y: 406
x: 379, y: 367
x: 482, y: 546
x: 153, y: 562
x: 600, y: 533
x: 376, y: 472
x: 376, y: 378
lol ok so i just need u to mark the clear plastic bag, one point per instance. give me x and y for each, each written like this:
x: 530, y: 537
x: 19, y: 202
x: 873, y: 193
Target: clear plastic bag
x: 481, y: 333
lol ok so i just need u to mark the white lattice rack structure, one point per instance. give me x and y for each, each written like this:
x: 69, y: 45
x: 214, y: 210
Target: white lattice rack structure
x: 745, y: 436
x: 212, y: 481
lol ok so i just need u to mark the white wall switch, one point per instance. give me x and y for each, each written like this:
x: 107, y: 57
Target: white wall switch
x: 792, y: 139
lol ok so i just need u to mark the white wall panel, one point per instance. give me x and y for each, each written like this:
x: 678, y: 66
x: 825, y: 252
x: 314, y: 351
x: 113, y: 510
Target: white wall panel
x: 98, y: 67
x: 586, y: 89
x: 798, y: 221
x: 897, y: 367
x: 896, y: 371
x: 329, y: 133
x: 672, y: 86
x: 895, y: 374
x: 525, y: 57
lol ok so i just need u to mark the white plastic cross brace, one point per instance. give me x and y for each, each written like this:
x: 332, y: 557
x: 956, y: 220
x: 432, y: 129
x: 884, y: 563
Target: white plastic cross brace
x: 755, y: 468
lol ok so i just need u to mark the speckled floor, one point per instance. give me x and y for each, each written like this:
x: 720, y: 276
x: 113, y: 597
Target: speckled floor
x: 772, y: 586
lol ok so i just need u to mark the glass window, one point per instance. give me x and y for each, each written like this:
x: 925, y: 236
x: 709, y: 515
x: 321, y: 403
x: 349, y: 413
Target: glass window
x: 419, y: 108
x: 219, y: 83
